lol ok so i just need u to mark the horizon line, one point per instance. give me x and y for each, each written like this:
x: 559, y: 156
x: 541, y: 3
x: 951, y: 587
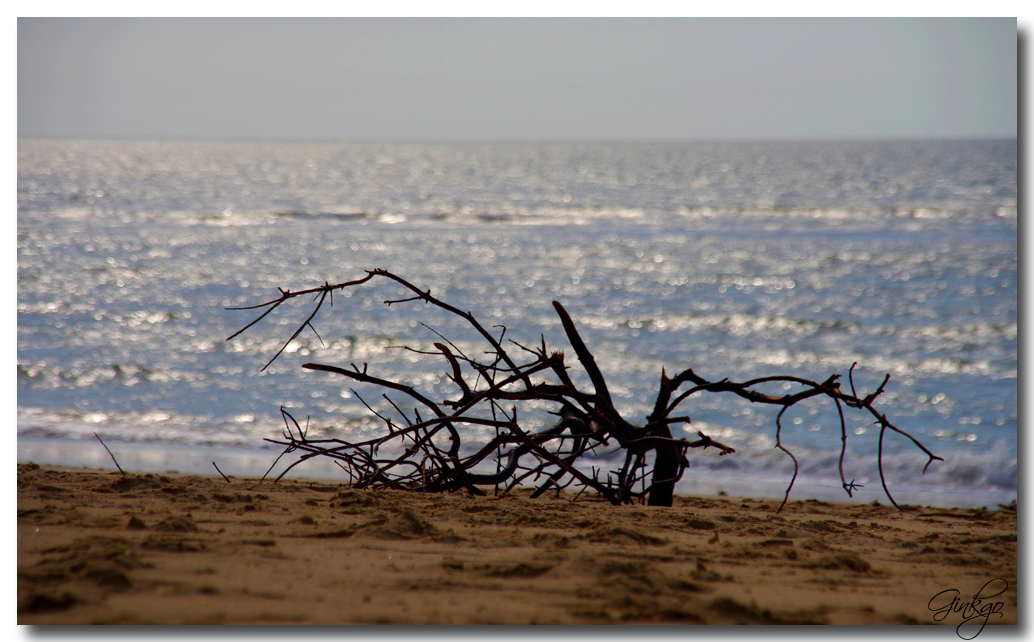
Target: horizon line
x: 526, y: 141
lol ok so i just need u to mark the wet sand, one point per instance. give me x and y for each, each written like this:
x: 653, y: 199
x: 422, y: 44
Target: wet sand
x: 98, y: 547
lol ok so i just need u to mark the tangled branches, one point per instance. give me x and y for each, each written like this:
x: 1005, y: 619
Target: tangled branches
x: 426, y: 450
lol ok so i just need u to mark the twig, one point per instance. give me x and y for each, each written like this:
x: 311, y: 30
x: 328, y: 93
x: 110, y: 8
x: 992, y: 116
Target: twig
x: 221, y: 473
x: 109, y: 453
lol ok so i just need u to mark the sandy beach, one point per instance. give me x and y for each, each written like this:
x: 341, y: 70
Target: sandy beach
x: 99, y: 547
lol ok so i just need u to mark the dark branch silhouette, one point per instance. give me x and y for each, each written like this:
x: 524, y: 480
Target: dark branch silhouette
x: 426, y: 452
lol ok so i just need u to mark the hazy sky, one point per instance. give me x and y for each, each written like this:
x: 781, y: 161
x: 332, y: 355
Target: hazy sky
x: 517, y: 79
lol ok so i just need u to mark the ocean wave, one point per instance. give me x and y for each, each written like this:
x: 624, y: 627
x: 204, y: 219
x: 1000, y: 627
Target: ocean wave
x: 962, y: 469
x: 43, y: 375
x: 153, y: 427
x: 995, y: 467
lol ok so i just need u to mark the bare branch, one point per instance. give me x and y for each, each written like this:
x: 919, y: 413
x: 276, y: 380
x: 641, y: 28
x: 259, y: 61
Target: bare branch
x: 430, y: 455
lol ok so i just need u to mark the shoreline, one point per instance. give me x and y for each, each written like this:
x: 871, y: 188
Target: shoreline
x: 152, y: 457
x: 101, y: 547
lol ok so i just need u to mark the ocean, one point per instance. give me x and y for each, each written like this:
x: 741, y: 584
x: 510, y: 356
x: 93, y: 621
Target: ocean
x: 738, y: 260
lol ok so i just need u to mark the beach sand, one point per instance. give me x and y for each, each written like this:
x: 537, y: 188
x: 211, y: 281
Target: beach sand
x: 99, y: 547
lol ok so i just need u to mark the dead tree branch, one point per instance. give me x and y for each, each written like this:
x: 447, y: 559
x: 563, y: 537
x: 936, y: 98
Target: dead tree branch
x: 427, y: 455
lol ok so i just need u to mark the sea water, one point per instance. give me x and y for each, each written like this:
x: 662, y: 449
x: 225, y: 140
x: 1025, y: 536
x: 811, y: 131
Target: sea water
x: 737, y: 260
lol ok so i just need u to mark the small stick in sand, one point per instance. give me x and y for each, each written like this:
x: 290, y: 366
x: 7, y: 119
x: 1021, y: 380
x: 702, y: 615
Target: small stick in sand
x: 221, y: 473
x: 109, y: 453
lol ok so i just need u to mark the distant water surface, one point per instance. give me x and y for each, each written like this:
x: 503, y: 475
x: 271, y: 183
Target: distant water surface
x: 738, y: 260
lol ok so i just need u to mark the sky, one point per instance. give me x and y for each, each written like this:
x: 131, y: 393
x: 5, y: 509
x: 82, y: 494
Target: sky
x: 450, y: 79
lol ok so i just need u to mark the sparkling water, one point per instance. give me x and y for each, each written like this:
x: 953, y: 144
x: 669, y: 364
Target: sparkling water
x: 737, y: 260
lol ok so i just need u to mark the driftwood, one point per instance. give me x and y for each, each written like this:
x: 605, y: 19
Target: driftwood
x: 426, y: 447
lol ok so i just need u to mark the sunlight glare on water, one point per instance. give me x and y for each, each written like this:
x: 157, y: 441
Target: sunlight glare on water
x: 899, y: 256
